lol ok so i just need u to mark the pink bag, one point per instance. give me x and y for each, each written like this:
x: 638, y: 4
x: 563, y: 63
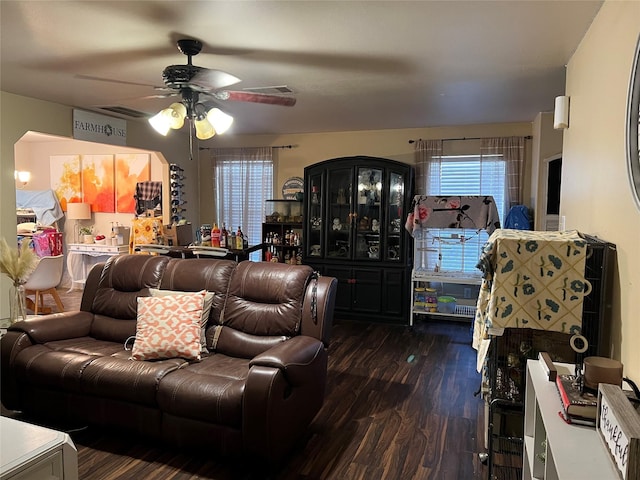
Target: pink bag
x: 55, y: 242
x: 41, y: 244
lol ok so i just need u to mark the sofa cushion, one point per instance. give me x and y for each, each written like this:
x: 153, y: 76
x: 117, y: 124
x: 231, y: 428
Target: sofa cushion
x: 59, y: 369
x: 123, y: 279
x: 266, y: 298
x: 169, y: 327
x: 211, y: 390
x: 110, y: 329
x: 119, y: 378
x: 206, y: 309
x: 87, y: 346
x: 196, y: 274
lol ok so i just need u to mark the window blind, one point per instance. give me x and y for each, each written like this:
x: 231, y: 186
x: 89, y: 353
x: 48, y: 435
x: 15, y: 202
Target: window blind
x: 456, y: 250
x: 241, y: 187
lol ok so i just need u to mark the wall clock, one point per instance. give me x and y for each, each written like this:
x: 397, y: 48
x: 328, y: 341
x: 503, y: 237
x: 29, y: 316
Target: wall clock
x: 633, y: 127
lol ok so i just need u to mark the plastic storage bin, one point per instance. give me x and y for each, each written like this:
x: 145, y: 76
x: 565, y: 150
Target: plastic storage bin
x: 446, y: 304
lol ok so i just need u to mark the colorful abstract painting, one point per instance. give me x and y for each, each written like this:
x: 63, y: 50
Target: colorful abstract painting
x: 65, y: 177
x: 98, y: 186
x: 131, y: 168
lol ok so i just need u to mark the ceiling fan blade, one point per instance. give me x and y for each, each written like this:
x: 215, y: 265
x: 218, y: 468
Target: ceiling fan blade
x: 255, y: 98
x: 158, y: 95
x: 110, y: 80
x: 209, y: 79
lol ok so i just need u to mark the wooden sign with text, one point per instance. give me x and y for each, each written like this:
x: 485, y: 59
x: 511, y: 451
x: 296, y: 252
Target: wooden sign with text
x: 618, y: 425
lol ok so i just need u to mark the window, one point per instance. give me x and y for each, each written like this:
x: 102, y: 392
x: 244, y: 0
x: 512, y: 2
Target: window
x: 243, y: 180
x: 453, y: 250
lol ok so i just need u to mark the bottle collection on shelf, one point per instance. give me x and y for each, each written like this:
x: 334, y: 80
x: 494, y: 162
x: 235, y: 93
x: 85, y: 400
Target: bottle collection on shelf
x: 289, y: 239
x: 178, y: 212
x: 223, y: 238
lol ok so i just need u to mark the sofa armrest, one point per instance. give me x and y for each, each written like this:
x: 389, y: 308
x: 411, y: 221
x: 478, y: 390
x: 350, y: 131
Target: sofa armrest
x: 294, y: 357
x: 11, y: 344
x: 58, y: 326
x: 317, y: 311
x: 283, y: 393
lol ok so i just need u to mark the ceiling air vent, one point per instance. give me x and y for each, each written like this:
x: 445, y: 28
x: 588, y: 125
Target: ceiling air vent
x: 279, y: 89
x: 124, y: 111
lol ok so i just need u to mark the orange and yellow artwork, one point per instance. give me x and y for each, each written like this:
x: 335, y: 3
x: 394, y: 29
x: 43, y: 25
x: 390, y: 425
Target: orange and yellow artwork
x: 65, y: 178
x: 98, y: 182
x: 131, y: 168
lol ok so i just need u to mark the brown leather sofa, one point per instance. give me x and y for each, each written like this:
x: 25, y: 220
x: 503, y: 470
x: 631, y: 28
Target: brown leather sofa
x: 254, y: 393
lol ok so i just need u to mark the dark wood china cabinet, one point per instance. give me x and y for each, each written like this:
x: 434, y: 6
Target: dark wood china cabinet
x: 353, y: 229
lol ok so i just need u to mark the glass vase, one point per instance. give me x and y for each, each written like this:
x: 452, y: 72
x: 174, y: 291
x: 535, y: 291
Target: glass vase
x: 17, y: 303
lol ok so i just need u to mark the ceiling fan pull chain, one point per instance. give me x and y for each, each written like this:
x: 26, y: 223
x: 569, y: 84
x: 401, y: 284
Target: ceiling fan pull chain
x: 191, y: 141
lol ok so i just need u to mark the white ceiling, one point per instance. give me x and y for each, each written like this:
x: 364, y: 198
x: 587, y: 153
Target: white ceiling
x: 352, y: 65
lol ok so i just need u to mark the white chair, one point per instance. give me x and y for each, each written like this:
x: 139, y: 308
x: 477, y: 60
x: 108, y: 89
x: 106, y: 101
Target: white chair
x: 44, y: 279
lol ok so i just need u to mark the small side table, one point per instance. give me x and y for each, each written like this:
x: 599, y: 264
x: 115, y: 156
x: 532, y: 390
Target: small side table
x: 81, y: 256
x: 32, y: 452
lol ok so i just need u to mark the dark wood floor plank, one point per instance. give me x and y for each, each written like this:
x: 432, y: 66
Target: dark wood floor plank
x: 400, y: 405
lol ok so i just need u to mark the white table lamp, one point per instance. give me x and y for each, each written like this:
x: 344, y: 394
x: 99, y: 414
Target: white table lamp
x: 78, y: 211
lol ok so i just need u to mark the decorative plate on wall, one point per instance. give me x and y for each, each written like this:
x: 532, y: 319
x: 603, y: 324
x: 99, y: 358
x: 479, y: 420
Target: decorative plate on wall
x: 291, y: 187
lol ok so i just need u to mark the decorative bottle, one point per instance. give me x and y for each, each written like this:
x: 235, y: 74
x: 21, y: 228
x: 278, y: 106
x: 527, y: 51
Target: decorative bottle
x: 215, y: 236
x: 239, y: 239
x: 224, y: 236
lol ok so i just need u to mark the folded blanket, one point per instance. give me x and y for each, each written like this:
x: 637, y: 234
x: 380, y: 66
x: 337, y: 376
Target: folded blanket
x: 532, y: 279
x: 44, y: 204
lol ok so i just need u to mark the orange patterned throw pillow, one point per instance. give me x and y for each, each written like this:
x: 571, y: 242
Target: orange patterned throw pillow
x: 169, y: 327
x: 206, y: 309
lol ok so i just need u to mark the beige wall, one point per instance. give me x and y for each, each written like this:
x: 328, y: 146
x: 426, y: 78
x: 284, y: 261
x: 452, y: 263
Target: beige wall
x: 314, y: 147
x: 19, y: 115
x: 596, y: 194
x: 547, y: 143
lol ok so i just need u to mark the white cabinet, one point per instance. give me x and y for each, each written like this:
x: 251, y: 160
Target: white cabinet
x: 553, y: 449
x: 31, y: 452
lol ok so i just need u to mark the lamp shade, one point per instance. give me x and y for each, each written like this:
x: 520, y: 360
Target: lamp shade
x: 204, y: 129
x: 161, y: 122
x: 178, y: 114
x: 78, y: 211
x: 220, y: 120
x: 22, y: 176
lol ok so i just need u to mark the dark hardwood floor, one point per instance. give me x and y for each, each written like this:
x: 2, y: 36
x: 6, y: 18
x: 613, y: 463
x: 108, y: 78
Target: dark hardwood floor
x: 400, y: 405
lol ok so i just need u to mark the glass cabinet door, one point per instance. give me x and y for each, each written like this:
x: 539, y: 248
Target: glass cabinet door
x: 313, y: 242
x: 339, y: 213
x: 395, y: 217
x: 368, y: 222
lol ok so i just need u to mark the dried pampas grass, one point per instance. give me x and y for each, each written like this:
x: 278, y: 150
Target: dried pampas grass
x: 17, y: 264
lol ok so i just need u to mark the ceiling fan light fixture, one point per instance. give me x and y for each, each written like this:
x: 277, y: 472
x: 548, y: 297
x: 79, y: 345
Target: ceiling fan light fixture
x: 204, y: 129
x: 221, y: 121
x: 177, y: 112
x: 191, y: 82
x: 161, y: 122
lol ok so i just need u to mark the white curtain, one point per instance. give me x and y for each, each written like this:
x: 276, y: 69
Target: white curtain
x: 427, y: 154
x: 242, y: 181
x: 512, y: 150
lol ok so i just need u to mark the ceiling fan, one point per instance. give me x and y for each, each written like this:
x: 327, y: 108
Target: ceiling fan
x: 200, y: 89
